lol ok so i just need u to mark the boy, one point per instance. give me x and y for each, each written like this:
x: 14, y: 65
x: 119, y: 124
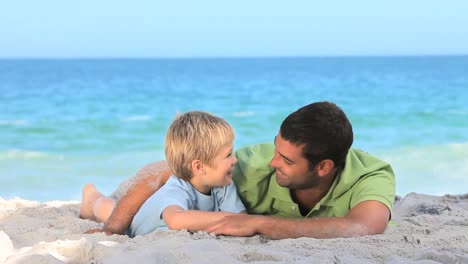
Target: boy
x: 199, y: 151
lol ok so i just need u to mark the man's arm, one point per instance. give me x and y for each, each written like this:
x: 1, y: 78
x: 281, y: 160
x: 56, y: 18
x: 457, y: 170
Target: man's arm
x: 145, y: 183
x: 193, y: 220
x: 366, y: 218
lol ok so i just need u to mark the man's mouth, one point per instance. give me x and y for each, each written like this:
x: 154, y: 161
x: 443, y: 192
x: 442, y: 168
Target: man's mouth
x: 280, y: 174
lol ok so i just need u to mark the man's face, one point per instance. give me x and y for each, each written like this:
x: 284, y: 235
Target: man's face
x: 292, y: 169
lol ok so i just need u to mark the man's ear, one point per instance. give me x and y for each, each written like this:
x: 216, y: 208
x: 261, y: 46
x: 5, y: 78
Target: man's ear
x: 198, y: 167
x: 325, y: 167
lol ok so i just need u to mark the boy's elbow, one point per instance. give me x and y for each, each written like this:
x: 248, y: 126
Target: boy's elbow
x: 173, y: 226
x: 174, y: 223
x: 174, y: 217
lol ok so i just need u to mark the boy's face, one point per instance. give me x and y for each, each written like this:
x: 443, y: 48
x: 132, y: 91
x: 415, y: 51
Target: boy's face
x: 221, y: 173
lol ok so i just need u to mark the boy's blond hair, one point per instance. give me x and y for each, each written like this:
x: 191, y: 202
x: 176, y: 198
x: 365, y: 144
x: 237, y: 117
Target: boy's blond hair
x: 193, y: 136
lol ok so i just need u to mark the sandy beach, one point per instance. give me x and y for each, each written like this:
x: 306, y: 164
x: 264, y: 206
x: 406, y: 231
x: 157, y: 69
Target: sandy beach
x: 425, y: 229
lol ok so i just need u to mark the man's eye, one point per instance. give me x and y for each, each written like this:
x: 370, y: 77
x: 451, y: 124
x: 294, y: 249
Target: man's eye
x: 287, y: 162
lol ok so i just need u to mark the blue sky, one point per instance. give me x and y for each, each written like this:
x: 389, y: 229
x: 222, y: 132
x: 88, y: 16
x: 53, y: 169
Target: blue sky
x: 203, y: 28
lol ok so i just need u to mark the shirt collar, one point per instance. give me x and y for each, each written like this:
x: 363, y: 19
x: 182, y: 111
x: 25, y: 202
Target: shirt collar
x: 282, y: 193
x: 278, y: 192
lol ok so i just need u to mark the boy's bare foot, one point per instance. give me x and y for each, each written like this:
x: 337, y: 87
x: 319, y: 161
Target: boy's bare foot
x: 89, y: 196
x: 103, y: 208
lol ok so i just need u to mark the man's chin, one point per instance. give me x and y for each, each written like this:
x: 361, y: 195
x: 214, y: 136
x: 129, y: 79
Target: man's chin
x: 282, y: 181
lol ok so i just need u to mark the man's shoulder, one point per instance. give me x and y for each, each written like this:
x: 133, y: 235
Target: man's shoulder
x: 258, y: 151
x: 367, y: 177
x: 362, y: 167
x: 361, y: 162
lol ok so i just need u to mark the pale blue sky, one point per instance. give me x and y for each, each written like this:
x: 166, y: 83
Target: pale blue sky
x: 210, y: 28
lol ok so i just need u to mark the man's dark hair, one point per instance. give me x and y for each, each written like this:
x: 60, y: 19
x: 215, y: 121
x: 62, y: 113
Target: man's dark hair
x: 323, y: 129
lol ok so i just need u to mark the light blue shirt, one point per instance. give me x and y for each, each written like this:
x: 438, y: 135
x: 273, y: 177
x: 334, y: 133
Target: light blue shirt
x: 181, y: 193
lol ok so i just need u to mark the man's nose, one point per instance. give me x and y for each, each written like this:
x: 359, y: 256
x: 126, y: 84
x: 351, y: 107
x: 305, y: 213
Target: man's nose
x: 273, y: 162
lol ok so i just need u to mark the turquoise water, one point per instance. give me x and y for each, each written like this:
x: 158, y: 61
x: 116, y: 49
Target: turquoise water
x: 64, y: 123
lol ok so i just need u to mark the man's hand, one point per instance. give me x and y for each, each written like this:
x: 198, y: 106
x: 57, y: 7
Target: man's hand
x: 98, y: 230
x: 366, y: 218
x: 236, y: 225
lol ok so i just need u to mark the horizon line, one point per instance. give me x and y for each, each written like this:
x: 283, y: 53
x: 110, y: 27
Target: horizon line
x: 233, y: 57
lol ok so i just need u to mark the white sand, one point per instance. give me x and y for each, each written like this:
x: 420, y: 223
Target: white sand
x: 427, y: 229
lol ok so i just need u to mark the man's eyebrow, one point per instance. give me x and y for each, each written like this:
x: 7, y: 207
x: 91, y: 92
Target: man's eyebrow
x: 283, y: 156
x: 286, y: 158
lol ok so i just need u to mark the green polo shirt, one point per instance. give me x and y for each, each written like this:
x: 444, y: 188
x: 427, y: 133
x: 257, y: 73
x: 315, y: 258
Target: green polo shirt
x: 363, y: 178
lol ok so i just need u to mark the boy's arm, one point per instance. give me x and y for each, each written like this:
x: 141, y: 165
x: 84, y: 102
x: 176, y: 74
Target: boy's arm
x: 193, y: 220
x: 146, y: 182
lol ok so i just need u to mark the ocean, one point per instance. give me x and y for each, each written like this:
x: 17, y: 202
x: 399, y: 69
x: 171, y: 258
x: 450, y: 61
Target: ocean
x: 67, y: 122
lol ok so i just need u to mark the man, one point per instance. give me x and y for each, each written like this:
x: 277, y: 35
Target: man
x: 310, y: 183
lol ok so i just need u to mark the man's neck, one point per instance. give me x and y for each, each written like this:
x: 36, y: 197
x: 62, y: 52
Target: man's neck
x: 308, y: 198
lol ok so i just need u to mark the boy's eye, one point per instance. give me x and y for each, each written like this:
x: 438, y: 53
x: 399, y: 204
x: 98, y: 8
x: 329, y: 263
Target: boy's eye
x: 229, y: 155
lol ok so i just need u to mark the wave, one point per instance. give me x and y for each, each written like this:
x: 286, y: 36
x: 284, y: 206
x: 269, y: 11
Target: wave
x: 456, y: 112
x: 435, y: 169
x: 243, y: 114
x: 17, y: 122
x: 27, y: 155
x: 442, y: 153
x: 137, y: 118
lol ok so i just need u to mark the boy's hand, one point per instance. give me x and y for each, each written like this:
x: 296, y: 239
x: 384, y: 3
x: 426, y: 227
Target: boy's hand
x: 235, y: 225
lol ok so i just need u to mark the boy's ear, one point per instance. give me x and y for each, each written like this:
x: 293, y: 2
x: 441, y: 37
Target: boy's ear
x: 197, y: 167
